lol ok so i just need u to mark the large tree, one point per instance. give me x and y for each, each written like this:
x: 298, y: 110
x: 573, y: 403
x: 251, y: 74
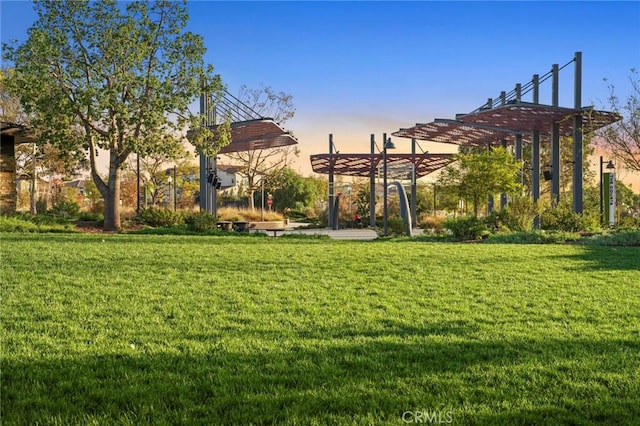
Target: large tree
x: 119, y: 77
x: 264, y: 163
x: 622, y: 139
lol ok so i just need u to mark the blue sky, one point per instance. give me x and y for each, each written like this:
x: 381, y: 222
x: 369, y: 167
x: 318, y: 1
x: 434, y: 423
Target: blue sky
x: 357, y: 68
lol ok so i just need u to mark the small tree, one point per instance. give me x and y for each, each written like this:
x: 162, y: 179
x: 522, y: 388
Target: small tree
x: 101, y: 75
x: 260, y: 163
x: 622, y: 138
x: 476, y: 176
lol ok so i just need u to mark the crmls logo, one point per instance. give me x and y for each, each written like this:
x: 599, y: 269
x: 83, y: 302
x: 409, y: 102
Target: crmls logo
x: 428, y: 416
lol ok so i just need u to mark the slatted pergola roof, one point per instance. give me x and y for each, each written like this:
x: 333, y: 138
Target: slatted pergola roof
x: 361, y: 165
x: 492, y: 126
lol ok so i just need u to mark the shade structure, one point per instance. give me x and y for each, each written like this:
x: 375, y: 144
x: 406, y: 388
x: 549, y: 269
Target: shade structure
x: 261, y: 133
x: 361, y: 165
x: 492, y: 126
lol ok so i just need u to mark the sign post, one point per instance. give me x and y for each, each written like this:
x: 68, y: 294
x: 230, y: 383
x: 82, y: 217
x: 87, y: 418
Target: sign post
x: 609, y: 181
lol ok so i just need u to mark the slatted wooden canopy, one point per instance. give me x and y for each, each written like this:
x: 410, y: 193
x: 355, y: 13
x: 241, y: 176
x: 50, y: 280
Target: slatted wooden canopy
x: 492, y: 126
x: 361, y: 165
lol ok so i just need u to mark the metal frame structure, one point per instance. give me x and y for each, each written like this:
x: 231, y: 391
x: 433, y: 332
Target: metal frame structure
x: 249, y: 131
x: 366, y: 165
x: 510, y: 120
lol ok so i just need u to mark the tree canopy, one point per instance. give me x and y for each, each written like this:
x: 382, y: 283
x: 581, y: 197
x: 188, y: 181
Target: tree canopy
x: 475, y: 176
x: 113, y: 76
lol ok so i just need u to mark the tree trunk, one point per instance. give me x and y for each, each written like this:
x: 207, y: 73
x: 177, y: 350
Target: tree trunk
x: 112, y: 199
x: 252, y: 204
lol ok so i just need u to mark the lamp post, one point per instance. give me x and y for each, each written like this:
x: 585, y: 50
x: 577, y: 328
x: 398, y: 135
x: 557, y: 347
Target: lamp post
x: 610, y: 166
x: 170, y: 180
x: 387, y: 145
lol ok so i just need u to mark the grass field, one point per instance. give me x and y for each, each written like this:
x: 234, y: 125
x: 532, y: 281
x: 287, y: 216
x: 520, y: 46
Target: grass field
x: 131, y: 329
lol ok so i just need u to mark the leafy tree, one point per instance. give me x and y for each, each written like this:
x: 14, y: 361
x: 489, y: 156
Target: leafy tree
x: 117, y: 77
x: 292, y: 191
x: 622, y: 138
x: 264, y: 162
x: 477, y: 175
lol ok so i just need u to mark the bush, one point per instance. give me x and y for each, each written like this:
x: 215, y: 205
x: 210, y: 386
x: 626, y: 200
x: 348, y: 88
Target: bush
x: 65, y: 208
x: 200, y: 221
x: 434, y: 223
x: 160, y: 217
x: 467, y: 228
x: 533, y: 237
x: 629, y: 238
x: 28, y: 223
x: 563, y: 218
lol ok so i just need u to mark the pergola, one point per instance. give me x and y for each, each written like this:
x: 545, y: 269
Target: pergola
x: 510, y: 120
x: 249, y: 131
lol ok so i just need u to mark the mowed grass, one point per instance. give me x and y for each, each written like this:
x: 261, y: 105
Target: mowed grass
x: 131, y: 329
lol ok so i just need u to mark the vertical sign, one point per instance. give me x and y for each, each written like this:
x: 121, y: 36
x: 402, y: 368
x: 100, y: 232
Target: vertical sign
x: 609, y: 198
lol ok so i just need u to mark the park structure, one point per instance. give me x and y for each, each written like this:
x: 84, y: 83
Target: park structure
x: 504, y: 121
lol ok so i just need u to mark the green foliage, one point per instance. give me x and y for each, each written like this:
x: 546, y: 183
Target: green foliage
x: 161, y: 217
x: 293, y: 191
x: 563, y: 218
x: 66, y: 208
x: 467, y: 228
x: 533, y: 237
x: 119, y: 77
x: 200, y: 221
x: 34, y: 223
x: 478, y: 175
x: 629, y: 238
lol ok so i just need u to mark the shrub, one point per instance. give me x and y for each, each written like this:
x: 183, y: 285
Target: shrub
x: 467, y: 228
x: 563, y: 218
x: 629, y: 237
x: 160, y: 217
x: 65, y: 208
x: 434, y: 223
x: 200, y: 221
x: 533, y: 237
x: 28, y: 223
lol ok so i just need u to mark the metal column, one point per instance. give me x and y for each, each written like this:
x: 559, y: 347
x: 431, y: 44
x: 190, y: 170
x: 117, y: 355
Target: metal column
x: 503, y: 196
x: 330, y: 186
x: 372, y: 184
x: 414, y: 185
x: 577, y: 137
x: 535, y: 155
x: 385, y: 214
x: 555, y: 141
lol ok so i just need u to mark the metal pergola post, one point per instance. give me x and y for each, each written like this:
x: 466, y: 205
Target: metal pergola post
x: 555, y: 141
x: 577, y: 136
x: 535, y: 154
x: 372, y: 184
x: 414, y: 185
x: 385, y: 207
x: 330, y: 186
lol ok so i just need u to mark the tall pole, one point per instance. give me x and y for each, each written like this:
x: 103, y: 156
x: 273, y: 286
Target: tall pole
x: 601, y: 194
x: 577, y: 137
x: 372, y: 184
x: 414, y: 185
x: 535, y: 154
x: 555, y: 141
x: 330, y: 186
x: 384, y: 185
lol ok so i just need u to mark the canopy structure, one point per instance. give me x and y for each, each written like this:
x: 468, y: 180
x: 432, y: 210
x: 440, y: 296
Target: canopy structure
x: 262, y: 133
x: 361, y: 165
x: 513, y: 121
x: 488, y: 127
x: 249, y: 132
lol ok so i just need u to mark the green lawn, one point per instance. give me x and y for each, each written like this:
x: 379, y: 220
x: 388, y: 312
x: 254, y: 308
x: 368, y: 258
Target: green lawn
x: 132, y: 329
